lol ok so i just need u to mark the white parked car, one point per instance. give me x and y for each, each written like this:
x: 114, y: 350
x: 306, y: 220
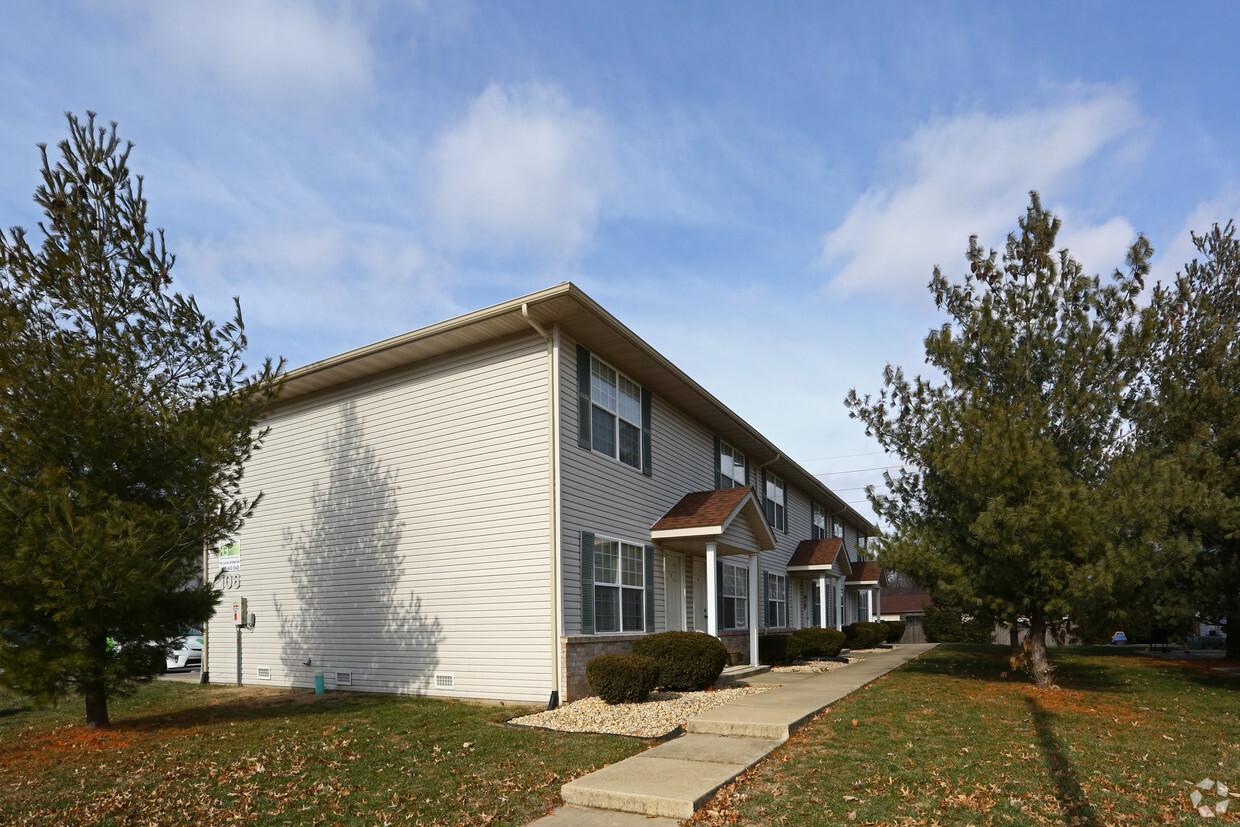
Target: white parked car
x: 187, y: 652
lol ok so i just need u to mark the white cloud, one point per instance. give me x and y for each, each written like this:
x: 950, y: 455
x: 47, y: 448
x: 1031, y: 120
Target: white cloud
x: 525, y: 170
x: 1181, y: 250
x: 971, y: 175
x: 268, y: 50
x: 1100, y: 249
x: 317, y: 287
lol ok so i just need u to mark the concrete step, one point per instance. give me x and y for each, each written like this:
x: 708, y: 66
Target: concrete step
x: 671, y: 780
x: 733, y: 674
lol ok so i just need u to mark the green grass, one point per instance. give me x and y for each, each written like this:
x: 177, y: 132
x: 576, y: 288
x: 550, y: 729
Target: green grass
x: 954, y: 738
x: 187, y: 754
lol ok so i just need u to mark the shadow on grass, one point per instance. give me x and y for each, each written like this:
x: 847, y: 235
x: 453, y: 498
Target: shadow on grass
x: 1076, y: 807
x: 249, y: 709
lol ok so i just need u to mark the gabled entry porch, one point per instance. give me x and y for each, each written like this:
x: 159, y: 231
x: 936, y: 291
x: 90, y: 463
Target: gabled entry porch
x: 705, y: 529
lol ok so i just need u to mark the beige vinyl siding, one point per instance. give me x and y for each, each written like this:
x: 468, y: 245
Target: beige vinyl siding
x: 613, y: 500
x: 404, y: 533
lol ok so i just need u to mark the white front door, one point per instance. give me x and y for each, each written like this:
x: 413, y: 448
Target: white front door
x: 699, y: 595
x: 674, y: 591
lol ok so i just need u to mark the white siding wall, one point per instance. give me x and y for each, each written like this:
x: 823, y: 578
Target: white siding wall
x: 404, y: 533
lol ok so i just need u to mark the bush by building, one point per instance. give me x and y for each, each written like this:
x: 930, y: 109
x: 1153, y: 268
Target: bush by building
x: 820, y: 643
x: 622, y: 679
x: 779, y: 650
x: 895, y: 630
x: 687, y: 661
x: 864, y: 635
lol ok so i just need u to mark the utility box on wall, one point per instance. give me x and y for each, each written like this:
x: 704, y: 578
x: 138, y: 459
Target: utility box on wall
x: 241, y: 611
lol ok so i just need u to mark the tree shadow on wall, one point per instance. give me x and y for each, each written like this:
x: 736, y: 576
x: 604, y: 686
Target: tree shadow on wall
x: 350, y: 613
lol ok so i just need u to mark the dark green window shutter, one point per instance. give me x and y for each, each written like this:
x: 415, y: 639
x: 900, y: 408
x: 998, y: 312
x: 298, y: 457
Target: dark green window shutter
x: 583, y: 397
x: 718, y: 467
x: 650, y: 588
x: 720, y: 620
x: 587, y: 583
x: 747, y: 482
x: 647, y: 462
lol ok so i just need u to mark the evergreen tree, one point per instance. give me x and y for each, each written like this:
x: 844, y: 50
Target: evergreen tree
x: 125, y: 419
x: 1193, y: 413
x: 1023, y: 497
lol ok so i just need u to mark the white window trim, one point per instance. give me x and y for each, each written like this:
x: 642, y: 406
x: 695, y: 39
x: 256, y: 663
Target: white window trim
x: 780, y: 488
x: 616, y: 415
x: 620, y: 586
x: 777, y: 593
x: 741, y: 606
x: 732, y: 454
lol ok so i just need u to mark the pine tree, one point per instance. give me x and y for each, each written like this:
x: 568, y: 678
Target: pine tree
x: 125, y: 419
x: 1023, y: 497
x: 1193, y: 413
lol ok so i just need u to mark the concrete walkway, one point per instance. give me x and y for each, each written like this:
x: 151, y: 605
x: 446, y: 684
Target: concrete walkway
x: 670, y: 782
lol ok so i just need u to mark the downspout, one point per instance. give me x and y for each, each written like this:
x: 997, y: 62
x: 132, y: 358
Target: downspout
x: 553, y: 490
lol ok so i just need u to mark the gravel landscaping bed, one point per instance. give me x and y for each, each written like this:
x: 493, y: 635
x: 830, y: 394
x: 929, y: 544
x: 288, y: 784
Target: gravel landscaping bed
x: 816, y: 666
x: 655, y: 718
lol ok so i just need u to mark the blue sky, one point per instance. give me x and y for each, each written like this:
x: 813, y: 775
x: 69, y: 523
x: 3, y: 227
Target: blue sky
x: 759, y: 190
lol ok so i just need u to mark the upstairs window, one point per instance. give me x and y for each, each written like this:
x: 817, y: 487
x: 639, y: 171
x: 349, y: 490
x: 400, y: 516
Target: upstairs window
x: 776, y: 503
x: 732, y: 467
x: 819, y: 519
x: 837, y: 527
x: 614, y: 413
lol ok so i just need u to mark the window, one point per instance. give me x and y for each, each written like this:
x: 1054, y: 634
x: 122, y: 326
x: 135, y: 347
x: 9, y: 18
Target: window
x: 615, y: 414
x: 776, y: 504
x: 837, y: 527
x: 863, y: 542
x: 819, y: 519
x: 776, y: 601
x: 731, y: 467
x: 619, y: 587
x: 734, y: 595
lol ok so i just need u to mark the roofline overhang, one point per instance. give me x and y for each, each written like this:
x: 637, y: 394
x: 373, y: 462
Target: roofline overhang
x: 564, y: 304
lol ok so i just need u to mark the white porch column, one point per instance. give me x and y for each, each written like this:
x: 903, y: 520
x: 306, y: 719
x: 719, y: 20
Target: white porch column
x: 822, y: 601
x: 869, y: 605
x: 755, y: 598
x: 840, y: 602
x: 712, y: 590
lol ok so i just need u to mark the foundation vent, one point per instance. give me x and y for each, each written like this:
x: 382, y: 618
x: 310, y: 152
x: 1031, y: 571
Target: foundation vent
x: 344, y: 679
x: 445, y: 681
x: 264, y: 673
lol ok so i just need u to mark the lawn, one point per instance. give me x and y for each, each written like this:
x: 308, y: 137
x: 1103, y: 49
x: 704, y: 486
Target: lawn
x: 956, y: 738
x: 187, y: 754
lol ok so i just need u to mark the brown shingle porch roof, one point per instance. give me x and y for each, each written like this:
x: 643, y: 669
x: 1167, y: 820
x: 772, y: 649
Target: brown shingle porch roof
x: 816, y: 552
x: 702, y: 509
x: 864, y: 571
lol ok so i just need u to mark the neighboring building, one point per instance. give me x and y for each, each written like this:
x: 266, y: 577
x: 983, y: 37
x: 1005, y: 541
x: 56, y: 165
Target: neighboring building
x: 911, y: 608
x: 477, y: 508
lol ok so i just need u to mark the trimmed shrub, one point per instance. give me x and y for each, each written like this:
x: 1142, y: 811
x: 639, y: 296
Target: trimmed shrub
x: 864, y: 635
x: 820, y: 643
x: 622, y: 679
x: 895, y: 630
x: 779, y: 650
x: 687, y: 661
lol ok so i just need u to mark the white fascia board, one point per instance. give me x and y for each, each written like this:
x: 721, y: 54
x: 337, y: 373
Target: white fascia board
x: 707, y: 531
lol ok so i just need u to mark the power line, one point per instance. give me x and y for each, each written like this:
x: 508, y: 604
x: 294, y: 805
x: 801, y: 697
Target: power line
x: 860, y: 470
x: 845, y: 456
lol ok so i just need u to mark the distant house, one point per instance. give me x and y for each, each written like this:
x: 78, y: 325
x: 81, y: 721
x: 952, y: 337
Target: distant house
x: 477, y: 508
x: 911, y: 608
